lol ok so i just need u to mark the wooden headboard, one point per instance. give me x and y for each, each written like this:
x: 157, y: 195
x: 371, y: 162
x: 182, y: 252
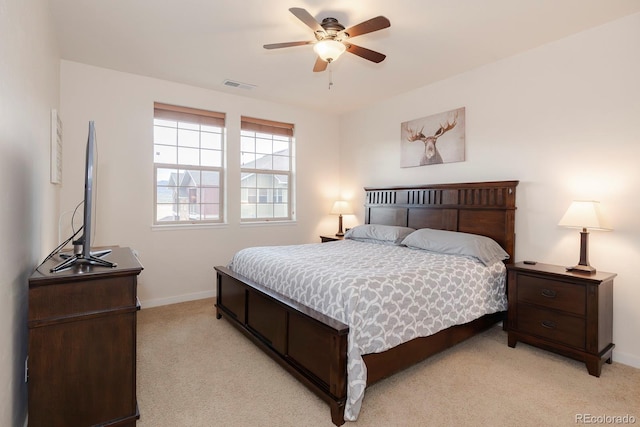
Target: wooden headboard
x: 485, y: 208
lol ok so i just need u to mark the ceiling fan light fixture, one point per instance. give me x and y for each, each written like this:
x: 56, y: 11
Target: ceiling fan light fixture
x: 329, y: 50
x: 331, y: 38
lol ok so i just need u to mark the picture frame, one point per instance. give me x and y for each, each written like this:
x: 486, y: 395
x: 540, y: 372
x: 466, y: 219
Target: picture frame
x: 435, y: 139
x: 56, y: 148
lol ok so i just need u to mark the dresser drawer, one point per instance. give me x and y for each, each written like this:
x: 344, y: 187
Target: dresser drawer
x: 552, y: 294
x: 552, y: 325
x: 81, y: 298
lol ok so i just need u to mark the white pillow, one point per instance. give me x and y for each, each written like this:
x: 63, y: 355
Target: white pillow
x: 483, y: 248
x: 379, y: 233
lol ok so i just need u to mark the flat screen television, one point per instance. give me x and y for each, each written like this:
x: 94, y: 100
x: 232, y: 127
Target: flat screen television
x: 82, y: 246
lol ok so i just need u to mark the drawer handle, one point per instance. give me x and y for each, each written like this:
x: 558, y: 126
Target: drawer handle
x: 548, y: 324
x: 549, y: 293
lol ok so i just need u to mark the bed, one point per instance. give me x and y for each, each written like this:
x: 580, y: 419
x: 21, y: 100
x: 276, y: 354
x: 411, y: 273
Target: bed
x: 312, y: 344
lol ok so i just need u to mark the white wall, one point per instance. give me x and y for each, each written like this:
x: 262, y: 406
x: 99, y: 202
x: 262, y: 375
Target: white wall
x: 29, y: 86
x: 564, y: 119
x: 179, y: 262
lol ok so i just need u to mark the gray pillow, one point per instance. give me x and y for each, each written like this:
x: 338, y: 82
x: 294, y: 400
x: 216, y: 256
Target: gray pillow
x: 379, y: 233
x: 483, y: 248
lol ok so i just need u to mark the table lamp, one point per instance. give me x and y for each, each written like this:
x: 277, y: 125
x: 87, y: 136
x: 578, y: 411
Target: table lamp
x: 584, y: 214
x: 340, y: 208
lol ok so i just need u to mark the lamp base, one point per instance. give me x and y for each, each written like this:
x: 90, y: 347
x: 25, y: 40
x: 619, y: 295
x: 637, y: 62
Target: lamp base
x: 583, y: 265
x: 340, y: 233
x: 586, y: 269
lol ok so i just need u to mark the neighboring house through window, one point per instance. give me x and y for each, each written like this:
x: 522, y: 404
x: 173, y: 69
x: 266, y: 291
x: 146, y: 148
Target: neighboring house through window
x: 188, y: 147
x: 266, y: 170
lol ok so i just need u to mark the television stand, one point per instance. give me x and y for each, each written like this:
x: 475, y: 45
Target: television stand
x: 82, y: 344
x: 95, y: 258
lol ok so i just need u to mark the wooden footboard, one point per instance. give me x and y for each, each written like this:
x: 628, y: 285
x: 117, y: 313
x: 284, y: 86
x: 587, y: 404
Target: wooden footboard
x: 308, y: 344
x: 312, y: 346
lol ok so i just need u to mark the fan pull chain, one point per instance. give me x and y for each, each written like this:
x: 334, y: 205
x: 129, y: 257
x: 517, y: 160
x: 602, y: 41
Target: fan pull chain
x: 330, y: 76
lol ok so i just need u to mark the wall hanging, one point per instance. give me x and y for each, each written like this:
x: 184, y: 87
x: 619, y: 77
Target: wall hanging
x: 433, y: 140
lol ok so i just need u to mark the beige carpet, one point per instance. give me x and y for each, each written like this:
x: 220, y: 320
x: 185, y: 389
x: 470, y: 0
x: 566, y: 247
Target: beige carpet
x: 194, y: 370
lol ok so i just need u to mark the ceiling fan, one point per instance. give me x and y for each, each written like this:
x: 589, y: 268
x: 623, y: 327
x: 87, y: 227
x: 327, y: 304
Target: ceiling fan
x: 332, y: 38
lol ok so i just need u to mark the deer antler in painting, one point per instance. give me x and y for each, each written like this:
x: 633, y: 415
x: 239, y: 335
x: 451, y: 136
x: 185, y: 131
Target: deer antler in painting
x: 413, y: 135
x: 431, y: 154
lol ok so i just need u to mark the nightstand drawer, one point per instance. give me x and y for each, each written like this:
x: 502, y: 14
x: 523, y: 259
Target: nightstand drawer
x: 552, y: 294
x: 562, y: 328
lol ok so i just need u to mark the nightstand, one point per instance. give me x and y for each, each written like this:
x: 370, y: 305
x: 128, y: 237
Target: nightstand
x: 568, y: 313
x: 326, y: 239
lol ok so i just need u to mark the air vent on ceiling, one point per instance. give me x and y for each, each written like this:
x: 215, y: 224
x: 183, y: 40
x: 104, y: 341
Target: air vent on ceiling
x: 239, y: 85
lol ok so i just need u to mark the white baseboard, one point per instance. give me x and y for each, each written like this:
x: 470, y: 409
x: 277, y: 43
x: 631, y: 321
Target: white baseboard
x: 156, y: 302
x: 626, y: 359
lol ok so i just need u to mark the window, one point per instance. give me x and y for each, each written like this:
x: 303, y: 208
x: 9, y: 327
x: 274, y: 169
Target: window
x: 266, y: 170
x: 188, y: 147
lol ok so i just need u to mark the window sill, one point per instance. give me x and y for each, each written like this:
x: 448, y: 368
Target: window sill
x: 173, y: 227
x: 287, y: 222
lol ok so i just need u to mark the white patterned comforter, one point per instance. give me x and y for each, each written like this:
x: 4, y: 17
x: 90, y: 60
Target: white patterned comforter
x: 387, y: 295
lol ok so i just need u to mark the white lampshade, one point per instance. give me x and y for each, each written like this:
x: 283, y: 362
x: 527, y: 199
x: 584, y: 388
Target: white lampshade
x: 584, y: 214
x: 329, y: 50
x: 341, y: 207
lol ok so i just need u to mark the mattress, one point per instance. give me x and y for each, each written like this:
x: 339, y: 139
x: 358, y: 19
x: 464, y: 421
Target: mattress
x: 386, y: 294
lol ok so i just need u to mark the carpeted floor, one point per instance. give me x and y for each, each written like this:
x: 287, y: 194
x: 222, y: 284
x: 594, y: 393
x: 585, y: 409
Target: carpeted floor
x: 194, y: 370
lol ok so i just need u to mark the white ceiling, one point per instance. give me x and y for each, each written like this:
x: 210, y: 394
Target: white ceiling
x: 204, y: 42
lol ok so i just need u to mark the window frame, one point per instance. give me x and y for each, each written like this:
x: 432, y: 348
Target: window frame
x: 195, y: 117
x: 277, y: 194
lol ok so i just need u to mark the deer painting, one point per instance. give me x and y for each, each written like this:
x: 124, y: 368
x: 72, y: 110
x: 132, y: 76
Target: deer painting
x: 431, y: 156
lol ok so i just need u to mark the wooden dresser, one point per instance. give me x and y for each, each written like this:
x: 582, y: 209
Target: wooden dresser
x: 567, y: 313
x: 82, y: 344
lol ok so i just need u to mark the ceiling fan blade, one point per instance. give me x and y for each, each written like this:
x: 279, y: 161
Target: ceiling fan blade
x: 365, y: 53
x: 306, y: 17
x: 320, y: 65
x: 373, y: 24
x: 288, y: 44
